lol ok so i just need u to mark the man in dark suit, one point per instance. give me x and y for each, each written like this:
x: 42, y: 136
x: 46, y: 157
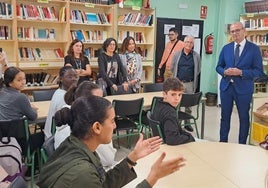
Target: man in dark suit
x: 239, y: 63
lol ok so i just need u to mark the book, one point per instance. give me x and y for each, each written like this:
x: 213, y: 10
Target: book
x: 42, y: 33
x: 92, y: 18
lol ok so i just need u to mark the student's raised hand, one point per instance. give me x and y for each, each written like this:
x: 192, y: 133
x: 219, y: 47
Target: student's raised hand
x: 145, y: 147
x: 163, y: 168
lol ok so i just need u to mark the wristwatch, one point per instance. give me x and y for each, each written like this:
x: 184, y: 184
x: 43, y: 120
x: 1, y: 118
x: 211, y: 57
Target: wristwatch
x: 131, y: 162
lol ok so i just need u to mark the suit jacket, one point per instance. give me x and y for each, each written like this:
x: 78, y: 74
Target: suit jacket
x: 250, y: 62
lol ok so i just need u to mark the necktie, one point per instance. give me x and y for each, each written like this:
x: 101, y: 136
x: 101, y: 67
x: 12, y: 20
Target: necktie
x: 236, y: 54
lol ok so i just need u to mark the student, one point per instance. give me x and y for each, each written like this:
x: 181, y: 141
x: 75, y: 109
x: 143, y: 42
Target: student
x: 67, y: 77
x: 106, y: 152
x: 111, y: 69
x: 76, y: 164
x: 166, y: 113
x: 78, y: 61
x: 132, y: 62
x: 13, y: 103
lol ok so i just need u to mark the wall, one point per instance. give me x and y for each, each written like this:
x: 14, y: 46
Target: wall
x: 220, y: 13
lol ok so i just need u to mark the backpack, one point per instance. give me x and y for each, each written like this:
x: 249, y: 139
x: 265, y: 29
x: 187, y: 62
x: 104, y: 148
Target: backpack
x: 10, y: 155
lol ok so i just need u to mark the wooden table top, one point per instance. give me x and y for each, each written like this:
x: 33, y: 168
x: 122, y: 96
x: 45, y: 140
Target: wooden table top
x: 43, y: 106
x: 210, y: 165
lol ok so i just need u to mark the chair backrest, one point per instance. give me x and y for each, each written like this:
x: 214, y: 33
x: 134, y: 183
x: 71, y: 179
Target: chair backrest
x: 48, y: 148
x: 154, y: 125
x: 43, y: 95
x: 124, y: 108
x: 121, y: 91
x: 17, y: 128
x: 153, y: 87
x: 189, y: 100
x: 154, y: 101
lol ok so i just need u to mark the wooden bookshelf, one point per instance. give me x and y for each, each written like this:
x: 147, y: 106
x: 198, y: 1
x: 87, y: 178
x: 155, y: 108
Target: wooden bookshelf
x: 35, y: 35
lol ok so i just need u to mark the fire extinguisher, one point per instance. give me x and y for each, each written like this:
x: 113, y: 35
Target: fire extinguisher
x: 209, y: 43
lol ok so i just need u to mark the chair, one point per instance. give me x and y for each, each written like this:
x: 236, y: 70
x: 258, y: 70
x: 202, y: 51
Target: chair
x: 19, y: 129
x: 153, y: 87
x: 124, y: 109
x: 121, y: 91
x: 145, y: 121
x: 43, y: 95
x: 190, y: 100
x: 155, y: 126
x: 18, y: 182
x: 47, y: 148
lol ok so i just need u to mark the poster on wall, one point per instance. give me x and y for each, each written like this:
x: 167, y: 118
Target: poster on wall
x: 166, y: 31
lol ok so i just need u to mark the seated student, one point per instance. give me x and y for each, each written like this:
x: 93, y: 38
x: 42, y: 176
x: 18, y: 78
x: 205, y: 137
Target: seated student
x: 67, y: 77
x: 76, y: 164
x: 13, y: 103
x: 165, y: 112
x: 106, y: 152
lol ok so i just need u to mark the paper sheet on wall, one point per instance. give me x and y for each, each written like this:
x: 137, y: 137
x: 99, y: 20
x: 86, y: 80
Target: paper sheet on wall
x: 167, y: 27
x: 191, y: 30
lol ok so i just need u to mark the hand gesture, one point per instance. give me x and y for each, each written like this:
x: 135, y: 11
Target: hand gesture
x: 145, y: 147
x: 163, y: 168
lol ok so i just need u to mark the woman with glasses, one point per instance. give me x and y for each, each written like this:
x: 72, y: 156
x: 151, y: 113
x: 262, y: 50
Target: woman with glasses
x: 132, y: 62
x: 111, y: 69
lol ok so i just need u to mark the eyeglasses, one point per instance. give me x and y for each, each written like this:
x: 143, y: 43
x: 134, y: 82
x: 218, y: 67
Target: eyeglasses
x: 171, y: 34
x: 236, y: 31
x: 112, y: 44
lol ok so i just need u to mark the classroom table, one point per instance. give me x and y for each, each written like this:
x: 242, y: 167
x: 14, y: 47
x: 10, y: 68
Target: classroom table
x: 43, y: 106
x: 210, y: 165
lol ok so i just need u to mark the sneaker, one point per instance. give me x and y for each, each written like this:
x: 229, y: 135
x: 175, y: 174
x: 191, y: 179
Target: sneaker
x: 189, y: 128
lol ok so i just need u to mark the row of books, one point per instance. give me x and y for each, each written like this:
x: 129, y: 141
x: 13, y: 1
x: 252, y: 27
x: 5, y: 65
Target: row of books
x: 41, y: 79
x: 258, y: 39
x: 256, y: 23
x: 138, y: 36
x: 79, y: 16
x: 5, y: 10
x: 89, y: 35
x: 135, y: 19
x: 104, y: 2
x: 4, y: 32
x: 36, y: 12
x: 31, y: 33
x: 39, y: 54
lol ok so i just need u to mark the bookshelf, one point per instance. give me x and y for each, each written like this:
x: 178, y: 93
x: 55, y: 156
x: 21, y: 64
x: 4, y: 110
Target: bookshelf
x: 36, y: 34
x: 256, y: 26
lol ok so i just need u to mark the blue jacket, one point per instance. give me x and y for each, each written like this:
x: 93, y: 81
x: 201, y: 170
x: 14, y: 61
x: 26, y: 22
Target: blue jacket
x: 250, y: 62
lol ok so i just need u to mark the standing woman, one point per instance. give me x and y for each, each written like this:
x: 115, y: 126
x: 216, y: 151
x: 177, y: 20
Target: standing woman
x: 13, y: 103
x: 111, y: 68
x: 75, y: 58
x: 132, y: 63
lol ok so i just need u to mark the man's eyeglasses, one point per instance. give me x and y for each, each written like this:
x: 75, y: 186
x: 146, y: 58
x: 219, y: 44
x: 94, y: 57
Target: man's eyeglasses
x: 235, y: 31
x: 171, y: 34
